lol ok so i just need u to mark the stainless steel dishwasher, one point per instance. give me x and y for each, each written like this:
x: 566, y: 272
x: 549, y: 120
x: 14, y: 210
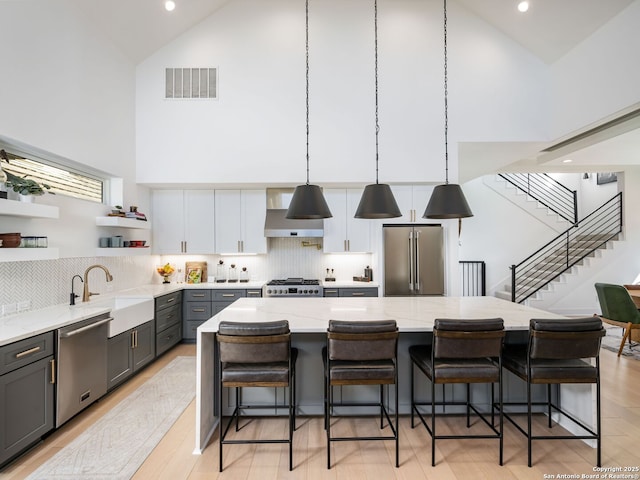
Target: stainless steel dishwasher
x: 82, y: 366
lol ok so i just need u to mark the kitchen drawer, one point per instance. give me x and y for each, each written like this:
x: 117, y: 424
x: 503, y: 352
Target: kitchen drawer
x: 24, y: 352
x: 197, y: 310
x: 169, y: 300
x: 254, y: 292
x: 190, y: 327
x: 168, y: 316
x: 167, y: 339
x: 197, y: 296
x: 330, y: 292
x: 219, y: 306
x: 228, y: 295
x: 358, y: 292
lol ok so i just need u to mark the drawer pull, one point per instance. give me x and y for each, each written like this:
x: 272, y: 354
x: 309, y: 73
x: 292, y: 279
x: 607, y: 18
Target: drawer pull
x: 197, y: 309
x: 357, y: 294
x: 228, y: 294
x: 331, y: 291
x: 173, y: 299
x: 28, y: 352
x: 257, y: 294
x: 199, y: 295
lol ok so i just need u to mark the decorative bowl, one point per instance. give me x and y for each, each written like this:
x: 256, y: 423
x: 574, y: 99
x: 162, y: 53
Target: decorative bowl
x: 10, y: 240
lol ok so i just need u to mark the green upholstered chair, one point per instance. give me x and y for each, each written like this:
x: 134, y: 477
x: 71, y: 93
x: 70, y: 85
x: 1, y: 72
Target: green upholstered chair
x: 618, y: 309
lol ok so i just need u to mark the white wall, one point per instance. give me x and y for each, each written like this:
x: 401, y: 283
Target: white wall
x: 255, y: 132
x: 600, y: 76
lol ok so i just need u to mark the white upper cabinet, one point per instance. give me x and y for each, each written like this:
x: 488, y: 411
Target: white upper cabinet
x: 240, y: 216
x: 183, y: 221
x: 343, y: 232
x: 412, y: 201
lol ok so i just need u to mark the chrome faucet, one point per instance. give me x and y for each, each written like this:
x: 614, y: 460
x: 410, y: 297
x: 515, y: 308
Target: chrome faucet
x: 86, y: 295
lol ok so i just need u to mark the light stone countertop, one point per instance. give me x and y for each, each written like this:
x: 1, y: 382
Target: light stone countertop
x: 34, y: 322
x: 413, y: 314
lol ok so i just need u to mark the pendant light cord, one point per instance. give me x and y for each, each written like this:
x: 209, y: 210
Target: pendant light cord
x: 307, y: 77
x: 375, y: 23
x: 446, y: 114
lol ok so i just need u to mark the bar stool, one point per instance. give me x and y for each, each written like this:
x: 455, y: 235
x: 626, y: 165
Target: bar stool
x: 256, y: 354
x: 361, y: 353
x: 557, y: 352
x: 463, y: 351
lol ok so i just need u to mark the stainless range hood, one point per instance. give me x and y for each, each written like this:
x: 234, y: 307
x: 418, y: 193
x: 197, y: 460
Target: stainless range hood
x: 277, y: 225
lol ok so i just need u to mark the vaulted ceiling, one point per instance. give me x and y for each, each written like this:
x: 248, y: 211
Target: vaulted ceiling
x: 549, y: 30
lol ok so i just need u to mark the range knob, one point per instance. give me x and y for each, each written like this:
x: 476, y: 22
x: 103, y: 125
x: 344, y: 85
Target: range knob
x: 268, y: 291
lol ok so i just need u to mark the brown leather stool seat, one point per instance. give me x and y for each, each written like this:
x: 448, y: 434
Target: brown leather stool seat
x: 361, y: 353
x: 256, y: 355
x: 463, y: 351
x: 558, y: 351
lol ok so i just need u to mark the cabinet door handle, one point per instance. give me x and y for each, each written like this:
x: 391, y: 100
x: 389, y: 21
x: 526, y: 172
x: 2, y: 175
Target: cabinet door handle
x: 52, y: 363
x: 133, y: 340
x: 28, y: 352
x: 228, y: 294
x: 197, y: 309
x: 348, y: 245
x: 239, y: 246
x: 136, y: 334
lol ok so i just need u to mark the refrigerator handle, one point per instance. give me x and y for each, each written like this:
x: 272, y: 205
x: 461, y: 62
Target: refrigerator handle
x: 417, y: 276
x: 410, y: 246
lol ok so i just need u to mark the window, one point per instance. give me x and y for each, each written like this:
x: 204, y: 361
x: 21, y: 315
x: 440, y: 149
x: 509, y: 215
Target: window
x: 62, y: 181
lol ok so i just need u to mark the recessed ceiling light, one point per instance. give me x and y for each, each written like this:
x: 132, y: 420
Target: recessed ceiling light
x: 169, y: 5
x: 523, y: 6
x: 567, y: 160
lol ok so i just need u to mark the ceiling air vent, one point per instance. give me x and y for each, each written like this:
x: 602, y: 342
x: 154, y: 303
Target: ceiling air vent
x: 191, y: 83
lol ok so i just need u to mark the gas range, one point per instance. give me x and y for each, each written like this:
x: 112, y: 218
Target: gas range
x: 292, y: 287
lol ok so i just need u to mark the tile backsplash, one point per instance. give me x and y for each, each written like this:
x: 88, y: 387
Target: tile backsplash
x: 39, y: 284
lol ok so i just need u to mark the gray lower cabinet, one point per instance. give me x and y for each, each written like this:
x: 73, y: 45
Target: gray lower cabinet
x: 168, y: 311
x: 351, y: 292
x: 129, y: 351
x: 27, y: 395
x: 201, y: 305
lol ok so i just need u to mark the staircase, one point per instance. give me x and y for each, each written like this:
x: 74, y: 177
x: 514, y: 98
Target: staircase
x: 539, y: 195
x: 568, y: 250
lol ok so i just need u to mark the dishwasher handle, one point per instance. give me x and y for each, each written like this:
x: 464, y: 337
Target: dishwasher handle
x: 85, y: 328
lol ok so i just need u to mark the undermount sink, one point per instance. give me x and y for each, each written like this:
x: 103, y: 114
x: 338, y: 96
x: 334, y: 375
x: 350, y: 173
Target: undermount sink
x: 128, y: 312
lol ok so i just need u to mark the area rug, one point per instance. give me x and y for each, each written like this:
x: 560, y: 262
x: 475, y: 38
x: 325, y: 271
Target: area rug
x: 116, y: 445
x: 612, y: 342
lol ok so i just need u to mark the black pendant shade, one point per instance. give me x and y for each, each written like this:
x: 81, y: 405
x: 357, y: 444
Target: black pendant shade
x: 377, y: 201
x: 308, y: 203
x: 447, y: 201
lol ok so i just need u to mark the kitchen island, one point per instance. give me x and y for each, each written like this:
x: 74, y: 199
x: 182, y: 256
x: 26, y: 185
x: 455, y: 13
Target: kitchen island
x: 309, y: 317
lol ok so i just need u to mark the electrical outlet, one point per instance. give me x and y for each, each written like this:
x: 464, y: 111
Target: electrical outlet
x: 24, y: 305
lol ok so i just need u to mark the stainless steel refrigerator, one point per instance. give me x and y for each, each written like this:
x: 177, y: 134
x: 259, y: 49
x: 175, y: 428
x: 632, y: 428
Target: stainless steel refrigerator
x: 413, y: 260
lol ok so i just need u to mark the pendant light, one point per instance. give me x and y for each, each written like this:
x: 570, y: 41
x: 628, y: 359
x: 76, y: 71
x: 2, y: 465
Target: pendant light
x: 447, y: 201
x: 307, y: 201
x: 377, y: 199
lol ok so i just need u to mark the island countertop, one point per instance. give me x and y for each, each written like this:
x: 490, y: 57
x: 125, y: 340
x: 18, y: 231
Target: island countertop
x: 412, y: 314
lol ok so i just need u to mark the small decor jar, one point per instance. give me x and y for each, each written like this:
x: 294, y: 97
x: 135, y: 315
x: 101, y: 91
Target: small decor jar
x: 221, y: 273
x: 244, y: 275
x: 233, y: 273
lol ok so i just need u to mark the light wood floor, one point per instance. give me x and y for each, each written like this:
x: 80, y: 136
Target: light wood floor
x: 461, y: 460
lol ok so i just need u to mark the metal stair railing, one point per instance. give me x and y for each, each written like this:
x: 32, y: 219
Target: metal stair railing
x: 473, y: 278
x: 566, y: 250
x: 547, y: 191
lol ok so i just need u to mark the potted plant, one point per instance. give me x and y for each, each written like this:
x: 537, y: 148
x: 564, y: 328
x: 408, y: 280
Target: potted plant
x: 25, y: 186
x: 22, y: 185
